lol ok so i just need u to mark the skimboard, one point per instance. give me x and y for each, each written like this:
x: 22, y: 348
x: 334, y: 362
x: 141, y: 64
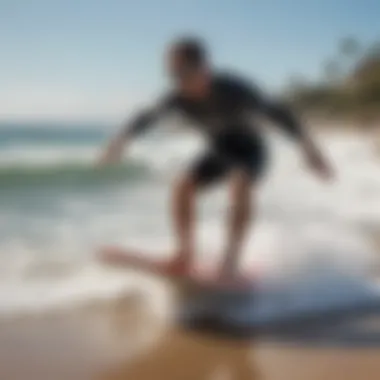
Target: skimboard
x: 240, y: 309
x: 200, y: 277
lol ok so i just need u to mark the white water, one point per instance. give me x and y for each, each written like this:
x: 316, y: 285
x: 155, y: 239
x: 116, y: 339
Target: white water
x: 48, y: 238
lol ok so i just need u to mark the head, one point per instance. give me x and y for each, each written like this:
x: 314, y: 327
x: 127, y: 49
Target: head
x: 188, y: 66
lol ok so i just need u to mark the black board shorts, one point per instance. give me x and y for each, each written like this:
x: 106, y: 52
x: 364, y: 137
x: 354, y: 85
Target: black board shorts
x: 234, y: 150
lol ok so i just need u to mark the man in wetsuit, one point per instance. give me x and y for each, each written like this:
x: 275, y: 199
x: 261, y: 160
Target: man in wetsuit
x: 221, y: 107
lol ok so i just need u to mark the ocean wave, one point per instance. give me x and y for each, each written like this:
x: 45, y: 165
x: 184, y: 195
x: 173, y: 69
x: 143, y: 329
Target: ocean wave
x: 75, y: 174
x: 47, y: 251
x: 11, y: 135
x: 38, y: 165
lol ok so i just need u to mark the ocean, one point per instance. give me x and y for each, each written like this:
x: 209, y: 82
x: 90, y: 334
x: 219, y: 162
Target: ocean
x: 57, y: 208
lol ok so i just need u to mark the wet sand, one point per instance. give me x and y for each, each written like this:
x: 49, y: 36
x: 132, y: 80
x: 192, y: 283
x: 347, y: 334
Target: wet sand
x: 122, y: 340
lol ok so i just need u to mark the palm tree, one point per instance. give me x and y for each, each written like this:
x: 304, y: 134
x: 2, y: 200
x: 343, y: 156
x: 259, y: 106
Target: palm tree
x: 349, y: 51
x: 374, y: 50
x: 332, y: 71
x: 349, y: 48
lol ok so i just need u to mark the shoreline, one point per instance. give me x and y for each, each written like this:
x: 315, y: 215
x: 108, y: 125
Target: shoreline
x: 128, y: 339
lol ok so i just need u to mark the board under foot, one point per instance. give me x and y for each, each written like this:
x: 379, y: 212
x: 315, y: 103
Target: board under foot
x: 195, y: 280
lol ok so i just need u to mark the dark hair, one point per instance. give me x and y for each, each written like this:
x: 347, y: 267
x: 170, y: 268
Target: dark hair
x: 192, y: 50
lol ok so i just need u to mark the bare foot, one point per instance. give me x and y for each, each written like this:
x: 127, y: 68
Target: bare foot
x: 110, y: 255
x: 229, y: 275
x: 181, y: 264
x: 227, y: 272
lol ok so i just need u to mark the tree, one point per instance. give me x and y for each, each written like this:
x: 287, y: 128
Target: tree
x: 349, y: 48
x: 374, y: 50
x: 332, y: 71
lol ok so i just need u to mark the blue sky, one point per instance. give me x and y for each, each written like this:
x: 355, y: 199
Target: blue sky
x: 95, y: 59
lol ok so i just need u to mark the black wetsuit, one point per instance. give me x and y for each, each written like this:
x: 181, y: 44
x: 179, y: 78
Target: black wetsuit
x: 225, y: 118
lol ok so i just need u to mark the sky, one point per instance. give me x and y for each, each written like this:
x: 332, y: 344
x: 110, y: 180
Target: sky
x: 97, y: 59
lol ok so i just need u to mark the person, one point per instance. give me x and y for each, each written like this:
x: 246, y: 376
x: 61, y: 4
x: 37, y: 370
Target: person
x: 222, y: 107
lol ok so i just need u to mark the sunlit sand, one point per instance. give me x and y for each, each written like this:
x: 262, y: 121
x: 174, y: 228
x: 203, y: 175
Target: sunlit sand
x: 125, y: 339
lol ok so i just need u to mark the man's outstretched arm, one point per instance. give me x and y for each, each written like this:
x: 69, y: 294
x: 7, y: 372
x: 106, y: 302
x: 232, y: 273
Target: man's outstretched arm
x: 289, y: 123
x: 140, y: 124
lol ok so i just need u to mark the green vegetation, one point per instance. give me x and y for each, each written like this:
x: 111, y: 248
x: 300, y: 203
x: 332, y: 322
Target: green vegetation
x: 349, y: 86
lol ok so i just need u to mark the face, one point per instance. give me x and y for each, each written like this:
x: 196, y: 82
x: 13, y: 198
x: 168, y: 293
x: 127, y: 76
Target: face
x: 189, y: 81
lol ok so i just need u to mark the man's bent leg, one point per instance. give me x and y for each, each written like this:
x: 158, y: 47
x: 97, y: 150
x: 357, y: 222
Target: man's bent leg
x: 239, y: 221
x: 204, y: 172
x: 183, y: 208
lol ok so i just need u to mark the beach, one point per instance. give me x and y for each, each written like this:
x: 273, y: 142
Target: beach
x: 103, y: 343
x: 64, y: 315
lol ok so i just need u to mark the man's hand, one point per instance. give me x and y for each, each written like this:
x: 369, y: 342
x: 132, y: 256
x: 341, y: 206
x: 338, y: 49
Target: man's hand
x: 113, y: 153
x: 317, y: 162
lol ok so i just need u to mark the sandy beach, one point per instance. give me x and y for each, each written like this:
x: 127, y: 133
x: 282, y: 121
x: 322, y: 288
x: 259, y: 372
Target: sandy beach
x: 122, y: 340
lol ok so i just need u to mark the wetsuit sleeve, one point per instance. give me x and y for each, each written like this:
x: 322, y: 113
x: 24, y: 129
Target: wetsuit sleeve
x: 283, y: 117
x: 145, y: 120
x: 277, y: 112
